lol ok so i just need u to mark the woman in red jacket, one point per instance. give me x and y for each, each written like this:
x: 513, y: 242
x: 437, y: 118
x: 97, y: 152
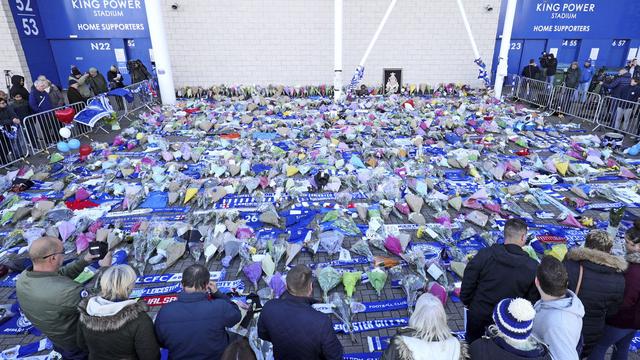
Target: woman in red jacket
x: 622, y: 327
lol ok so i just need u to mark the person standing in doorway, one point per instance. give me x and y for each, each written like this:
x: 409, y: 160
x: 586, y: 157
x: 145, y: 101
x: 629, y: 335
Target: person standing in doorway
x: 586, y: 74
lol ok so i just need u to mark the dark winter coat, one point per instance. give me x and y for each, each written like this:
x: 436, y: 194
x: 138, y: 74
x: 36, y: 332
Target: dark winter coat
x: 139, y: 73
x: 6, y: 116
x: 629, y: 93
x: 531, y: 71
x: 74, y: 96
x: 98, y: 84
x: 17, y: 87
x: 572, y: 77
x: 405, y: 346
x: 494, y: 348
x: 618, y: 84
x: 552, y: 66
x: 297, y: 331
x: 127, y: 334
x: 113, y: 82
x: 628, y: 315
x: 21, y: 108
x: 193, y: 327
x: 39, y: 101
x: 601, y: 290
x: 496, y: 273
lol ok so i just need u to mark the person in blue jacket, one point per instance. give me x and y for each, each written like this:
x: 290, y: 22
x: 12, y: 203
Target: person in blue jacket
x: 295, y: 329
x: 39, y: 99
x: 194, y: 326
x: 586, y: 74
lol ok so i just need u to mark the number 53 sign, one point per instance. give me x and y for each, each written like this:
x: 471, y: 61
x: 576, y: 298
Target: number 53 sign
x: 27, y: 17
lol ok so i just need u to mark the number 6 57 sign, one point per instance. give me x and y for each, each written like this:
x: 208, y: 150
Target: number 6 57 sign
x: 26, y: 18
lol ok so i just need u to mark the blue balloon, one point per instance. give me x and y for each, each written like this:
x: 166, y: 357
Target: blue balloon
x: 74, y: 144
x: 63, y: 146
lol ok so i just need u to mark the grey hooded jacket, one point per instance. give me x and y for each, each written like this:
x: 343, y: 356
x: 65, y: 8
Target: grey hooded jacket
x: 558, y: 324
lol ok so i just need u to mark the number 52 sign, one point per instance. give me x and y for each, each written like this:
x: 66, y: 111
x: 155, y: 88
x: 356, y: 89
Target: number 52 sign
x: 27, y: 18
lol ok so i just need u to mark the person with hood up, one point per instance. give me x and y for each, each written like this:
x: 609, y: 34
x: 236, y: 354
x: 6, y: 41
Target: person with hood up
x: 115, y: 78
x: 111, y: 325
x: 552, y: 67
x: 83, y: 86
x: 55, y: 95
x: 427, y: 335
x: 39, y: 99
x: 597, y: 277
x: 496, y: 273
x: 17, y: 87
x: 510, y: 338
x: 21, y: 106
x: 138, y: 71
x: 586, y: 74
x: 621, y: 327
x: 97, y: 82
x: 559, y: 313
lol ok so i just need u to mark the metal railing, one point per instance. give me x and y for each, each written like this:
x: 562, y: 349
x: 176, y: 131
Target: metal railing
x: 142, y: 97
x: 13, y: 146
x: 619, y: 115
x: 510, y: 86
x: 574, y: 103
x: 43, y: 128
x: 534, y: 91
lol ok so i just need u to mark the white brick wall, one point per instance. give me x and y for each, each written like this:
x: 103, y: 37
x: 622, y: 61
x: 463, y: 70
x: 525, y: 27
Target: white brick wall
x: 291, y: 41
x: 12, y: 57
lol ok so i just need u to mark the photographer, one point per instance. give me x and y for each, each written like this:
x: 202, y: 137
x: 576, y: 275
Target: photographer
x: 49, y: 297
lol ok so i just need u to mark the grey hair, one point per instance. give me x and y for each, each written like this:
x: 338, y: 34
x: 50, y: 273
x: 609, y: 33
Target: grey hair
x: 39, y: 82
x: 92, y: 69
x: 117, y: 282
x: 429, y: 319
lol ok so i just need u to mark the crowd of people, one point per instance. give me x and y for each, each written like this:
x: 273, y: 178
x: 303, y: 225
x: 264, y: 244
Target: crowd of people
x: 45, y: 96
x: 577, y: 308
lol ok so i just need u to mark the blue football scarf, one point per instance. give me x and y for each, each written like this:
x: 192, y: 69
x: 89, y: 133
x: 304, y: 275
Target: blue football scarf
x: 362, y: 356
x: 381, y: 343
x: 385, y: 305
x: 174, y: 277
x: 223, y: 286
x: 21, y: 351
x: 361, y: 326
x: 18, y: 324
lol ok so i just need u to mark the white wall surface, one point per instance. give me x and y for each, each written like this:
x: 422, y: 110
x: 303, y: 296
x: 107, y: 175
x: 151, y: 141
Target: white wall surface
x: 291, y: 41
x: 11, y: 54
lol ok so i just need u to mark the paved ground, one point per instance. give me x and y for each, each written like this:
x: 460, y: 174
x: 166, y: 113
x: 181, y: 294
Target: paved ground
x: 363, y: 293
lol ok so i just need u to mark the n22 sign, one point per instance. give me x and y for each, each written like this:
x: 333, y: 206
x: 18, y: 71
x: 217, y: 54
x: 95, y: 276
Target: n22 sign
x: 27, y: 18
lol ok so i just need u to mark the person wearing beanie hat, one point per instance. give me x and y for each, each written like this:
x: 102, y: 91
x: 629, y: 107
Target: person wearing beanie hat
x: 510, y: 337
x: 81, y: 79
x: 495, y: 273
x: 427, y: 336
x: 73, y: 95
x: 621, y: 328
x: 586, y: 75
x: 597, y: 277
x: 559, y: 313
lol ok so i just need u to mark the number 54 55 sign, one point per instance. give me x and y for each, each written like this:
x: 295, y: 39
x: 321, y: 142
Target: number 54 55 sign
x: 27, y: 18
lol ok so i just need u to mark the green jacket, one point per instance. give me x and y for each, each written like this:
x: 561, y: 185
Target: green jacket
x: 50, y: 301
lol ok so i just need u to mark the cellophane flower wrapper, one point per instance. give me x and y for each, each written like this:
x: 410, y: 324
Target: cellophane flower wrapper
x: 331, y: 241
x: 415, y: 257
x: 231, y: 249
x: 349, y: 280
x: 328, y: 278
x: 361, y: 247
x: 253, y: 271
x: 277, y: 284
x: 268, y: 266
x: 411, y: 284
x: 377, y: 279
x: 392, y: 244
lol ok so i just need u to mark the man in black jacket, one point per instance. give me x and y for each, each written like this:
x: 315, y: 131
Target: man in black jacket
x: 552, y: 67
x: 531, y: 71
x: 295, y: 329
x: 495, y: 273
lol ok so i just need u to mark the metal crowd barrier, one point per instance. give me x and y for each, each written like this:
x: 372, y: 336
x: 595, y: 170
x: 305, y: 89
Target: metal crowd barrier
x: 143, y: 96
x: 13, y: 147
x: 43, y: 128
x: 510, y: 86
x: 533, y: 91
x: 572, y: 102
x: 619, y: 115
